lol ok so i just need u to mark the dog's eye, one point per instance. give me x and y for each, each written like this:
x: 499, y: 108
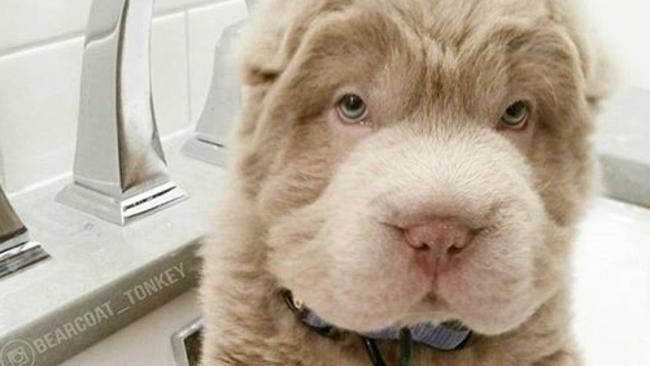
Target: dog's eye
x: 516, y: 116
x: 352, y: 109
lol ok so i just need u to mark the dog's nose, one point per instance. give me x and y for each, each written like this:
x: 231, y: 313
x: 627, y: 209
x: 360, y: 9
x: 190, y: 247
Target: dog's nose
x: 441, y: 237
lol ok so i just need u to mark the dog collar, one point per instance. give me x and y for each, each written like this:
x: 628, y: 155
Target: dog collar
x: 443, y: 337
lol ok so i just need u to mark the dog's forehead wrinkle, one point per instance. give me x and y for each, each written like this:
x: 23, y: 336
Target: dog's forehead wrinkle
x: 470, y: 77
x: 452, y: 21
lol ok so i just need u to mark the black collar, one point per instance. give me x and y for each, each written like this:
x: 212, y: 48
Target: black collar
x: 443, y: 337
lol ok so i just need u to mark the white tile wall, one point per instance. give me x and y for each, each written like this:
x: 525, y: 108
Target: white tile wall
x: 41, y: 44
x: 39, y: 93
x: 31, y: 21
x: 624, y: 27
x: 169, y: 73
x: 24, y: 22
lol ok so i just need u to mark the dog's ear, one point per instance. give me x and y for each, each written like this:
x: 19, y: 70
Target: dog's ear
x: 279, y: 27
x: 599, y: 70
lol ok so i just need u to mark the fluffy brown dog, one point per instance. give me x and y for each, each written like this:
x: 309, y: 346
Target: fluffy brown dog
x: 401, y: 162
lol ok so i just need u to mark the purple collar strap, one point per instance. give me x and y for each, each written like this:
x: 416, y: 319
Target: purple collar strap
x: 442, y: 337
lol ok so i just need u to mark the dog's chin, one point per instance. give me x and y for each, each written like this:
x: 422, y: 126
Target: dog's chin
x: 484, y: 318
x: 480, y: 318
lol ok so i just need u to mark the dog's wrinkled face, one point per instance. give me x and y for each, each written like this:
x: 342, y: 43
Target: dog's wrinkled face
x: 418, y: 160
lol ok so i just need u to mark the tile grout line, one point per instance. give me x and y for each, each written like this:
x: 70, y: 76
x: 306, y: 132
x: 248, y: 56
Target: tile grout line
x: 188, y: 67
x: 197, y: 6
x: 31, y: 46
x: 202, y: 4
x: 68, y: 36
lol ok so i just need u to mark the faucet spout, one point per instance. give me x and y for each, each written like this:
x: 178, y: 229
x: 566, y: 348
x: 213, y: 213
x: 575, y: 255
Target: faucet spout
x: 120, y: 171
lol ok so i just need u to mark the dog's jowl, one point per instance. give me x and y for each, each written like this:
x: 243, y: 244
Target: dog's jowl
x: 408, y: 175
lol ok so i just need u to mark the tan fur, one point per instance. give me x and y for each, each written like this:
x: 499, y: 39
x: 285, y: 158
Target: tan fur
x: 311, y: 199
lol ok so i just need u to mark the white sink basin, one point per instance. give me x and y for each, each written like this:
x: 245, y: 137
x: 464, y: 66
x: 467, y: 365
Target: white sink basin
x: 612, y: 288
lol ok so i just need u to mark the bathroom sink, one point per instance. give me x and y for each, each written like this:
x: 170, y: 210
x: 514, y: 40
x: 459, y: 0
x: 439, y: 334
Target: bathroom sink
x: 612, y: 300
x: 612, y: 285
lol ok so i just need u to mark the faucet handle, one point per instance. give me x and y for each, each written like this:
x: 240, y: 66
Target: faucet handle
x: 222, y: 105
x: 120, y: 172
x: 16, y: 250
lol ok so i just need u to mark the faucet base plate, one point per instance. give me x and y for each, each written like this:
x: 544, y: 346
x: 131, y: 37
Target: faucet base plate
x: 21, y: 256
x: 206, y: 151
x: 121, y: 210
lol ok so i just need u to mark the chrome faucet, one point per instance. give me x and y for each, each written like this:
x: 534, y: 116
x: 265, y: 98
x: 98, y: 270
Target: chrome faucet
x: 223, y: 104
x: 16, y: 250
x: 120, y: 172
